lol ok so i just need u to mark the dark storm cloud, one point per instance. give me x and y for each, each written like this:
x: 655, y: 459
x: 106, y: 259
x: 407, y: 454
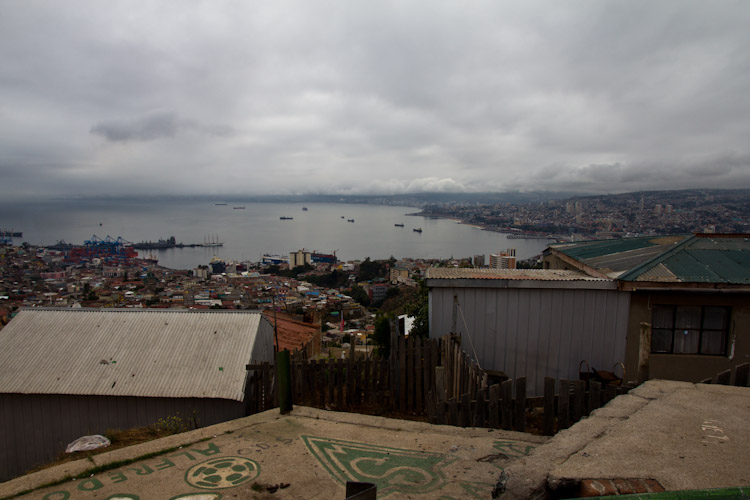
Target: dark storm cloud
x: 388, y: 97
x: 143, y: 129
x: 157, y: 126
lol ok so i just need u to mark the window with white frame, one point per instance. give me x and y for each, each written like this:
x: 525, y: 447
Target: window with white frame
x: 690, y: 329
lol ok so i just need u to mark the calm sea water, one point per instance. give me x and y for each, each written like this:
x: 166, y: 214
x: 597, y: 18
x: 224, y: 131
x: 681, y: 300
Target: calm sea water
x: 257, y: 229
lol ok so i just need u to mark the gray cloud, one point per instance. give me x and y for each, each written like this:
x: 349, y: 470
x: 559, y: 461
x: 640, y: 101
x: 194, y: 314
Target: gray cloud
x: 143, y: 129
x: 123, y: 96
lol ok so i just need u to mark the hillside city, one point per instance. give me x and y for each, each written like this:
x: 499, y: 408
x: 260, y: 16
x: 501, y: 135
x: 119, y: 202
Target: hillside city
x: 611, y: 216
x: 324, y: 293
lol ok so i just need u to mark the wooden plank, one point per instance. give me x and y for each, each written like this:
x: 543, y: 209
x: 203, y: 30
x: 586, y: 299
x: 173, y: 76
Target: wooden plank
x: 410, y: 373
x: 384, y: 378
x: 304, y: 390
x: 563, y: 415
x: 349, y: 384
x: 331, y: 381
x: 724, y: 377
x: 340, y: 384
x: 372, y: 384
x: 479, y: 409
x: 507, y: 405
x: 595, y: 396
x: 427, y: 366
x: 453, y: 411
x: 357, y: 380
x: 402, y: 374
x: 312, y: 383
x: 321, y: 381
x: 440, y: 394
x: 494, y: 406
x: 366, y: 380
x: 579, y: 400
x: 548, y: 427
x: 465, y: 411
x: 440, y: 411
x: 520, y: 406
x: 434, y: 359
x: 610, y: 392
x: 741, y: 373
x: 418, y: 381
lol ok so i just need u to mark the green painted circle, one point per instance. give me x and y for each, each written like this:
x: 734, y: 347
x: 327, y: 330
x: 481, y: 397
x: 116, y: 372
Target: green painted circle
x: 222, y: 472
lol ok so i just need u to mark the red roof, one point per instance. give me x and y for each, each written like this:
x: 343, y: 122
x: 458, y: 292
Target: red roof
x: 292, y: 334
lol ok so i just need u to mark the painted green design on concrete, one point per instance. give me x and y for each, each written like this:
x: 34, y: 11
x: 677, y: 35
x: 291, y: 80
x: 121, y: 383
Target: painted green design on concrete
x: 223, y: 472
x: 507, y: 450
x: 197, y: 496
x: 513, y: 449
x: 742, y: 493
x: 393, y: 470
x: 477, y: 490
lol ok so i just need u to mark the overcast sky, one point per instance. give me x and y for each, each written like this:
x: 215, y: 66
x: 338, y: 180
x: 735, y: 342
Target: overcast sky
x: 233, y: 97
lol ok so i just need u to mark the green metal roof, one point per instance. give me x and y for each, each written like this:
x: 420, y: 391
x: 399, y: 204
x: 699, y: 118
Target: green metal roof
x: 701, y: 259
x: 599, y: 248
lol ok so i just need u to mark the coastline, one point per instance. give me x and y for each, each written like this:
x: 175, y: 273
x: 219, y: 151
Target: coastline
x: 511, y: 234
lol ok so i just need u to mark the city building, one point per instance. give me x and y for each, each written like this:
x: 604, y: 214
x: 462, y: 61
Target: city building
x: 479, y: 261
x: 398, y: 274
x: 300, y: 258
x: 503, y: 260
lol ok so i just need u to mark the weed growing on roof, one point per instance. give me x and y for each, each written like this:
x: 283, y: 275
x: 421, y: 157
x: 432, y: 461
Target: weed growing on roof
x: 175, y: 424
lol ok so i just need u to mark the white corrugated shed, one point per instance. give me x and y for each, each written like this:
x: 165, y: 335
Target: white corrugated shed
x: 152, y: 353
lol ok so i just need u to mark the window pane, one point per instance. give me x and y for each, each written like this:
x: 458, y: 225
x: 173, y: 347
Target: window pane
x: 715, y: 318
x: 661, y: 340
x: 663, y: 317
x: 688, y: 318
x: 686, y: 341
x: 713, y: 343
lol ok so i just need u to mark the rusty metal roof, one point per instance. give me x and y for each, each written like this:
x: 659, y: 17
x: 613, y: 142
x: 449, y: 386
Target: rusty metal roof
x: 508, y: 274
x: 174, y: 354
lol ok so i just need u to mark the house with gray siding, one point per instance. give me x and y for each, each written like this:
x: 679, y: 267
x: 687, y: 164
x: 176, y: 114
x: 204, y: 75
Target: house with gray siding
x: 531, y: 323
x: 689, y: 299
x: 65, y: 373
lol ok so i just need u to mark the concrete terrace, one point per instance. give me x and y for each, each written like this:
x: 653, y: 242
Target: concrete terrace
x: 677, y: 435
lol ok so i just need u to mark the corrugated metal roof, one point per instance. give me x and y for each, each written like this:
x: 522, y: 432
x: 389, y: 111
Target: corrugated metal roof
x: 175, y: 354
x: 591, y: 249
x: 618, y: 255
x: 623, y: 261
x: 660, y: 272
x: 699, y: 259
x: 508, y: 274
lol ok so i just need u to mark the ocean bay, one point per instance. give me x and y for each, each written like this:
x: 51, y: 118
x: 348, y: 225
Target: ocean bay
x: 248, y: 233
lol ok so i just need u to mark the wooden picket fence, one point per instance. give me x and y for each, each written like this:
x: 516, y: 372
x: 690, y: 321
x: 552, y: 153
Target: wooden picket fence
x: 434, y: 378
x: 506, y: 406
x: 400, y: 384
x: 740, y: 379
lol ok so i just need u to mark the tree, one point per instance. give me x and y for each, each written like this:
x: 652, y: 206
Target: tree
x: 419, y: 310
x: 369, y: 269
x: 381, y: 336
x: 358, y: 294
